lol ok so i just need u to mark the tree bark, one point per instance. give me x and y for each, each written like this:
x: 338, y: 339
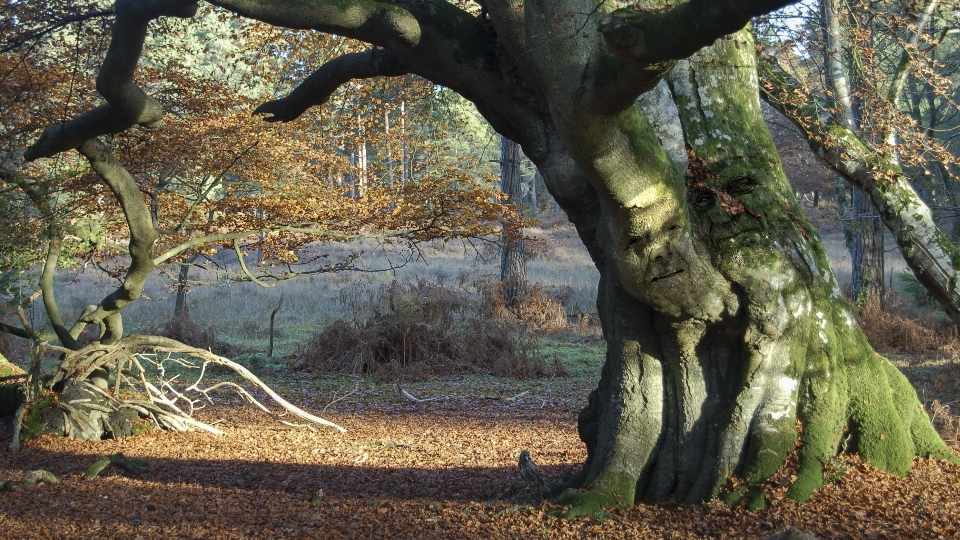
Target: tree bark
x: 180, y: 303
x: 684, y: 401
x: 866, y: 253
x: 513, y: 270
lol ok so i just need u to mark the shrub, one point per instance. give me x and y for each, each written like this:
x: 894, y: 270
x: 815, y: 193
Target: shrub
x: 185, y: 330
x: 898, y: 328
x: 535, y: 307
x: 419, y: 330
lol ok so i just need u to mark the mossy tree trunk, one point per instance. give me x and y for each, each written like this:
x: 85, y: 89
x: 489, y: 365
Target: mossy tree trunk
x: 690, y: 397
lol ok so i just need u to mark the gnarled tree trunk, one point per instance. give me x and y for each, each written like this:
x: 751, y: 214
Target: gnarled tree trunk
x: 689, y: 398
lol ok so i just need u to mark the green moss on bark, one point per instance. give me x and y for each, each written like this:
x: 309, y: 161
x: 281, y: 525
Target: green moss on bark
x: 34, y: 423
x: 612, y: 489
x: 11, y: 387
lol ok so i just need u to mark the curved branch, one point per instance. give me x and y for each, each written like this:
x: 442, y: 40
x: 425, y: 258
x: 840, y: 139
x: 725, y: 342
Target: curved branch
x: 126, y: 104
x: 223, y: 237
x: 372, y: 21
x: 246, y: 271
x: 322, y: 83
x: 644, y: 37
x: 435, y: 40
x: 49, y: 299
x: 931, y: 255
x: 142, y: 238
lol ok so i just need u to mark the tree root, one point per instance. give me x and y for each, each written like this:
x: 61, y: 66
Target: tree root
x: 35, y: 477
x: 166, y: 405
x: 85, y: 405
x: 133, y: 466
x: 17, y: 423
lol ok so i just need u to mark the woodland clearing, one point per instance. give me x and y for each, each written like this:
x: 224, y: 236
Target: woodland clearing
x: 443, y: 467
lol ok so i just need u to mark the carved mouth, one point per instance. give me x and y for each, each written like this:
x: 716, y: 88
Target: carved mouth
x: 665, y: 276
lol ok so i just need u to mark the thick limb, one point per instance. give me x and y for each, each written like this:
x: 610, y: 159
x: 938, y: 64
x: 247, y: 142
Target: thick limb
x: 126, y: 104
x: 321, y: 84
x: 142, y: 237
x: 649, y: 36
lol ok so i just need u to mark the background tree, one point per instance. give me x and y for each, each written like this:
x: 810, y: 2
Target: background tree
x: 847, y: 90
x: 729, y: 345
x: 513, y: 271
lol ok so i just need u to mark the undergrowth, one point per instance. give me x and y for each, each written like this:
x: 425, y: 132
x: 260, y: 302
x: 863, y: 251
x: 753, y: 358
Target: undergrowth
x: 185, y: 330
x: 901, y: 327
x: 417, y: 330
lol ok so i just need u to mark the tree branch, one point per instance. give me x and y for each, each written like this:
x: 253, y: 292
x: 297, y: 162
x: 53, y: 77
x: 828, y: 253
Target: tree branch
x: 645, y: 37
x: 322, y: 83
x: 15, y: 330
x: 49, y: 298
x: 928, y: 252
x: 126, y: 104
x: 142, y: 238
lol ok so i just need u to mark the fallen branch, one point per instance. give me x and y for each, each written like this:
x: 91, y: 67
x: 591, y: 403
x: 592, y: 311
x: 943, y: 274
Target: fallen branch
x: 413, y: 399
x: 40, y: 477
x: 35, y: 477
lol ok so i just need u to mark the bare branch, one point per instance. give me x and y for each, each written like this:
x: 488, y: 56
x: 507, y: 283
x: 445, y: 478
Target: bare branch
x: 53, y: 27
x: 15, y: 330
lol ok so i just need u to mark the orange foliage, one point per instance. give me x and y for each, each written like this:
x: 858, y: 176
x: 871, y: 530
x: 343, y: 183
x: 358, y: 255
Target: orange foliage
x: 363, y: 165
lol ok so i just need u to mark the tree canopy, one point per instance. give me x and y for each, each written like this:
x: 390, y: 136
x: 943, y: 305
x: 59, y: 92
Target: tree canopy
x: 213, y: 177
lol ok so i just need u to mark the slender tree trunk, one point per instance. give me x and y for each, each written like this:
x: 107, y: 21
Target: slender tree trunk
x: 513, y: 271
x: 866, y: 252
x: 534, y: 203
x: 863, y: 230
x: 180, y: 305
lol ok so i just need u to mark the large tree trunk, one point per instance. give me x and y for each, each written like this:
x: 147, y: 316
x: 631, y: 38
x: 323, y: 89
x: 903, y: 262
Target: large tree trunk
x: 689, y: 397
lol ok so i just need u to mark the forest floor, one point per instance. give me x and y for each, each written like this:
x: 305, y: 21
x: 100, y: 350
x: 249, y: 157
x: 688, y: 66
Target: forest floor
x: 443, y: 467
x: 432, y: 469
